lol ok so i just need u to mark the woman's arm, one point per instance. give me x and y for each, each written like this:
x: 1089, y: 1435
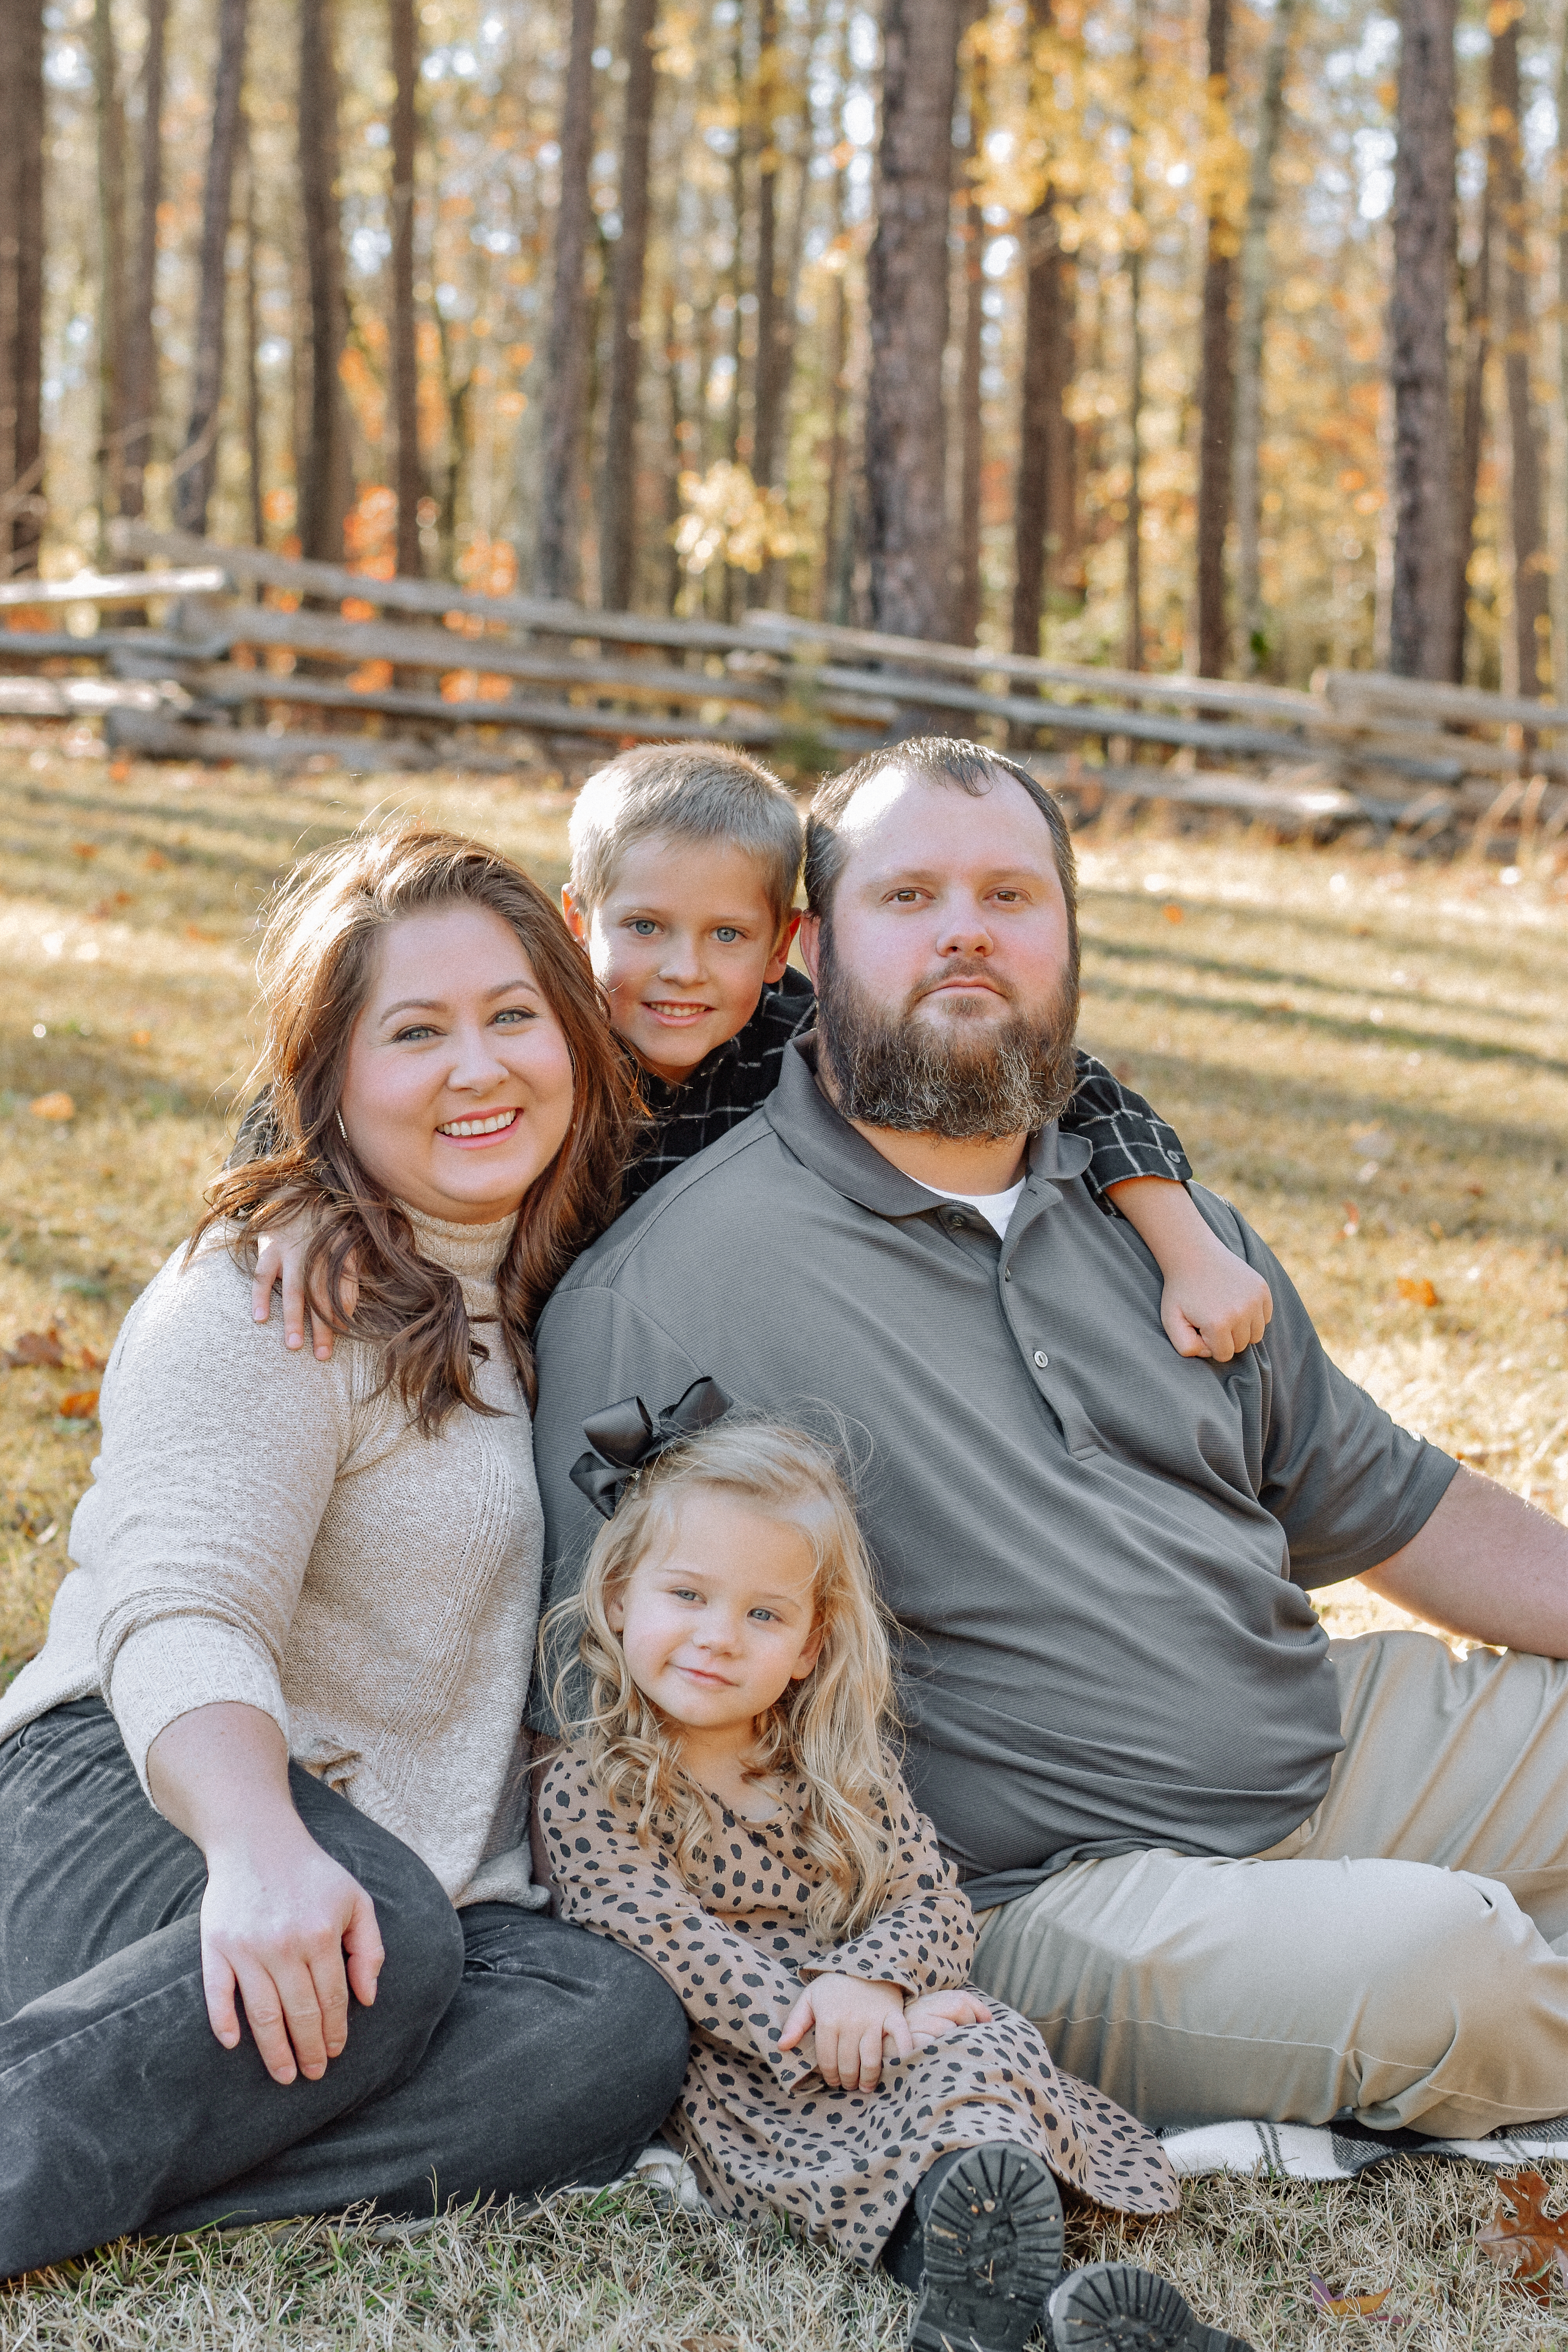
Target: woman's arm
x: 279, y: 1915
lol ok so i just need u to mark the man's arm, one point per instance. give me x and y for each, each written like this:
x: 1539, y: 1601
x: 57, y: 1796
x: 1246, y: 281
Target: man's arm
x: 1486, y: 1565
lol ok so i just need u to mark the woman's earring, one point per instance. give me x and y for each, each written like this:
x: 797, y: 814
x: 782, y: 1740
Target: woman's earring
x: 342, y: 1130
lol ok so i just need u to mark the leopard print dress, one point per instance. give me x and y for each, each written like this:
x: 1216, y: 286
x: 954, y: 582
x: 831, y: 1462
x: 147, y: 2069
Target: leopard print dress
x: 763, y: 2131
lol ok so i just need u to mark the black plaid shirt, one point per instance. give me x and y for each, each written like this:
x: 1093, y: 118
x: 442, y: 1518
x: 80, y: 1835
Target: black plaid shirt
x: 1126, y: 1138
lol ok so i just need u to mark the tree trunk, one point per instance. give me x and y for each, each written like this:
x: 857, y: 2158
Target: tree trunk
x: 1511, y: 216
x: 325, y: 490
x: 1132, y: 655
x: 407, y: 479
x: 139, y: 394
x: 252, y: 340
x: 906, y: 286
x: 838, y: 520
x: 1421, y: 615
x: 196, y: 467
x: 675, y: 454
x: 967, y: 597
x: 1247, y: 483
x: 1216, y: 397
x: 1039, y: 421
x: 1472, y: 437
x: 22, y: 505
x: 617, y: 507
x: 557, y: 563
x: 764, y: 371
x: 111, y: 256
x: 1560, y: 655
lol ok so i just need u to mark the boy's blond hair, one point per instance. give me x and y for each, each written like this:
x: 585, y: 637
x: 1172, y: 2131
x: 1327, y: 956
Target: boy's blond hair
x: 697, y: 792
x: 832, y: 1729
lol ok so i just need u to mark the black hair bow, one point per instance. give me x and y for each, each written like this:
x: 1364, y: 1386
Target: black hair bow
x: 625, y: 1438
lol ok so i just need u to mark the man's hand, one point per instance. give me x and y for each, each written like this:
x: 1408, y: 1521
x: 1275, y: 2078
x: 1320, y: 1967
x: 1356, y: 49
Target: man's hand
x: 1214, y: 1303
x: 279, y: 1915
x: 937, y: 2016
x: 278, y: 1918
x: 850, y: 2020
x: 281, y: 1259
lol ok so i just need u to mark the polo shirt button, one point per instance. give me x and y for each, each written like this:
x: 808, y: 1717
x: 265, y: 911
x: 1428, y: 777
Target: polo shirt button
x: 1041, y: 1358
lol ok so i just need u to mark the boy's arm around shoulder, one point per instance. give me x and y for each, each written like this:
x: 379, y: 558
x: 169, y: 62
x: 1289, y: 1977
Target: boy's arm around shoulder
x: 220, y: 1450
x: 923, y: 1936
x: 605, y: 1880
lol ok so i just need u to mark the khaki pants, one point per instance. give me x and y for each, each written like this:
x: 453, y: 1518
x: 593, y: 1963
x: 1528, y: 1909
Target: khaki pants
x: 1403, y: 1954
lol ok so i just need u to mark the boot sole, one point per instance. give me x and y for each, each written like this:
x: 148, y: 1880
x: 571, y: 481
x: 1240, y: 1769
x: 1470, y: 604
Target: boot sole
x: 993, y: 2253
x: 1116, y: 2307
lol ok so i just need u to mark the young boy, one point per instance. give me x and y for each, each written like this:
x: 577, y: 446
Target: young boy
x: 685, y: 859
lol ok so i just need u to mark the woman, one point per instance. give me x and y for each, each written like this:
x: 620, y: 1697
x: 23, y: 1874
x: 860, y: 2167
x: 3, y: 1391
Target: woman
x: 301, y: 1624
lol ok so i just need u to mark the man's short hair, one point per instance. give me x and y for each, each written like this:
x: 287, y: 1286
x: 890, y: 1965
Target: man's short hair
x: 939, y: 760
x: 696, y: 791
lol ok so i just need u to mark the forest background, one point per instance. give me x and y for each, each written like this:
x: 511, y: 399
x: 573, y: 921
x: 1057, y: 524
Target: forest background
x: 1201, y: 333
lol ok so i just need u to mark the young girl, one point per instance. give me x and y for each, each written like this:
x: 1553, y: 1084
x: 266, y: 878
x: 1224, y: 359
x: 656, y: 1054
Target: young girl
x: 728, y: 1810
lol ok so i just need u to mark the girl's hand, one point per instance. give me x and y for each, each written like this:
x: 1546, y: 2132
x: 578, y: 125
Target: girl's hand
x: 850, y: 2020
x: 279, y: 1918
x: 936, y: 2016
x: 281, y: 1259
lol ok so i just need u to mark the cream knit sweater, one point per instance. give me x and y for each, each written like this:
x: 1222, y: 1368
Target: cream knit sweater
x: 264, y: 1528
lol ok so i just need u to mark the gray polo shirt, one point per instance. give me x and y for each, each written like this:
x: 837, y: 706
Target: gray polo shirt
x: 1099, y: 1550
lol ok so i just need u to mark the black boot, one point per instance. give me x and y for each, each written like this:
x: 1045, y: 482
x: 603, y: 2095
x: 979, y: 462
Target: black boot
x: 1116, y: 2307
x: 992, y: 2227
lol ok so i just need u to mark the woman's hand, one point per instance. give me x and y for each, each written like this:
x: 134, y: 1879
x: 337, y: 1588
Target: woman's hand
x: 936, y: 2016
x: 281, y: 1259
x: 278, y: 1918
x: 279, y: 1915
x: 850, y: 2020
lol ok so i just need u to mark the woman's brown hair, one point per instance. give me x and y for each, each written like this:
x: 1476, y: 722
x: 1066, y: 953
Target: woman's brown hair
x: 316, y: 963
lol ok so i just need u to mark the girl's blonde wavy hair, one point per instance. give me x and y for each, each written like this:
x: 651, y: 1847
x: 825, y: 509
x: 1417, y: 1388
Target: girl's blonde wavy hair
x: 829, y: 1729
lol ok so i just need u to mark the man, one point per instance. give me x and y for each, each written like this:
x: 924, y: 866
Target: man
x: 1227, y: 1869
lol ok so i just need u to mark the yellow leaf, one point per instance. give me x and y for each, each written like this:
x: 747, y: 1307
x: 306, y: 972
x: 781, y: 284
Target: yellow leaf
x: 55, y: 1106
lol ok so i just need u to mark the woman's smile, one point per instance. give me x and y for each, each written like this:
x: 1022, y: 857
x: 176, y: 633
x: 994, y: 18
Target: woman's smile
x: 480, y: 1131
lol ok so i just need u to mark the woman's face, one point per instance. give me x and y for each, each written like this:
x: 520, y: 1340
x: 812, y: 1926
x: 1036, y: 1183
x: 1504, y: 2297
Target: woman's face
x: 458, y: 1088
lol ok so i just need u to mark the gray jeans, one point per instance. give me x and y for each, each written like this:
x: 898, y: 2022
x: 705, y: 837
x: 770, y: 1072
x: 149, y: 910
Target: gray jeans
x: 506, y: 2053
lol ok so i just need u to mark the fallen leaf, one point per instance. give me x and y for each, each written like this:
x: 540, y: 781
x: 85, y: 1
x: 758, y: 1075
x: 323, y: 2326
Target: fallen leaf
x: 1528, y: 2244
x: 1335, y: 2305
x: 1436, y: 1230
x: 85, y: 849
x: 1417, y: 1288
x: 91, y: 1361
x: 79, y: 1406
x: 1478, y: 1191
x: 119, y: 771
x: 154, y: 861
x: 37, y: 1347
x: 1172, y: 913
x: 56, y: 1106
x: 194, y: 931
x: 140, y: 1036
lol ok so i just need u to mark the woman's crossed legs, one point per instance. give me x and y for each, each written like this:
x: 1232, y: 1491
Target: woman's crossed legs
x: 506, y: 2053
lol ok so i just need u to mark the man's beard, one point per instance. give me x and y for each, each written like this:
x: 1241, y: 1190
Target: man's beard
x: 963, y: 1075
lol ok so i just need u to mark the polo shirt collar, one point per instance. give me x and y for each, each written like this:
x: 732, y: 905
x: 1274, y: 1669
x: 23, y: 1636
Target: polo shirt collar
x: 800, y: 1115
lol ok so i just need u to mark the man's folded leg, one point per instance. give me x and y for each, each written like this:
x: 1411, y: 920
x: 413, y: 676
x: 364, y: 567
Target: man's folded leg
x: 1400, y: 1955
x: 1191, y: 1990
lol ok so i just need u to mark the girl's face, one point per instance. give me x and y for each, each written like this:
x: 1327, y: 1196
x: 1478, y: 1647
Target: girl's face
x: 719, y: 1620
x: 458, y: 1092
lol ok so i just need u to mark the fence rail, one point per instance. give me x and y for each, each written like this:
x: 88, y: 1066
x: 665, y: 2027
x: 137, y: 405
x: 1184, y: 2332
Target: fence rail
x: 218, y: 674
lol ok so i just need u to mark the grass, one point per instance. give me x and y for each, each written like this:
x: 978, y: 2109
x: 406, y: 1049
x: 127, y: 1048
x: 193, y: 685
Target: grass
x: 1371, y: 1059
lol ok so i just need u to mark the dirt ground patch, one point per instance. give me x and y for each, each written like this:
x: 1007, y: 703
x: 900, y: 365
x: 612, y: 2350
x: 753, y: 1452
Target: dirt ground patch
x: 1369, y: 1058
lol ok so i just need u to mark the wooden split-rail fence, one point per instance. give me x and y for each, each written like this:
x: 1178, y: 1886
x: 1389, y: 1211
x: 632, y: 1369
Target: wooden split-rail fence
x: 219, y: 652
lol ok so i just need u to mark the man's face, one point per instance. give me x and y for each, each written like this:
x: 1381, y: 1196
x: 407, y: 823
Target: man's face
x: 948, y: 982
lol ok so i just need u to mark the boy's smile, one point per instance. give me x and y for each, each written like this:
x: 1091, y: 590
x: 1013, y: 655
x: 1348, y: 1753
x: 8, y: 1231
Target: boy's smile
x: 682, y: 945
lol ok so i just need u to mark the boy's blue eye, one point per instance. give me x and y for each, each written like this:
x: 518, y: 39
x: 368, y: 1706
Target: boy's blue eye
x: 725, y: 932
x: 644, y: 926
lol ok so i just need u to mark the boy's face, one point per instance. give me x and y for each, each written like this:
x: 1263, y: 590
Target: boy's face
x: 682, y: 946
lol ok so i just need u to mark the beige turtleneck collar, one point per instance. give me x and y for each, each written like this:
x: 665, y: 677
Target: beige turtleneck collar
x: 473, y: 1253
